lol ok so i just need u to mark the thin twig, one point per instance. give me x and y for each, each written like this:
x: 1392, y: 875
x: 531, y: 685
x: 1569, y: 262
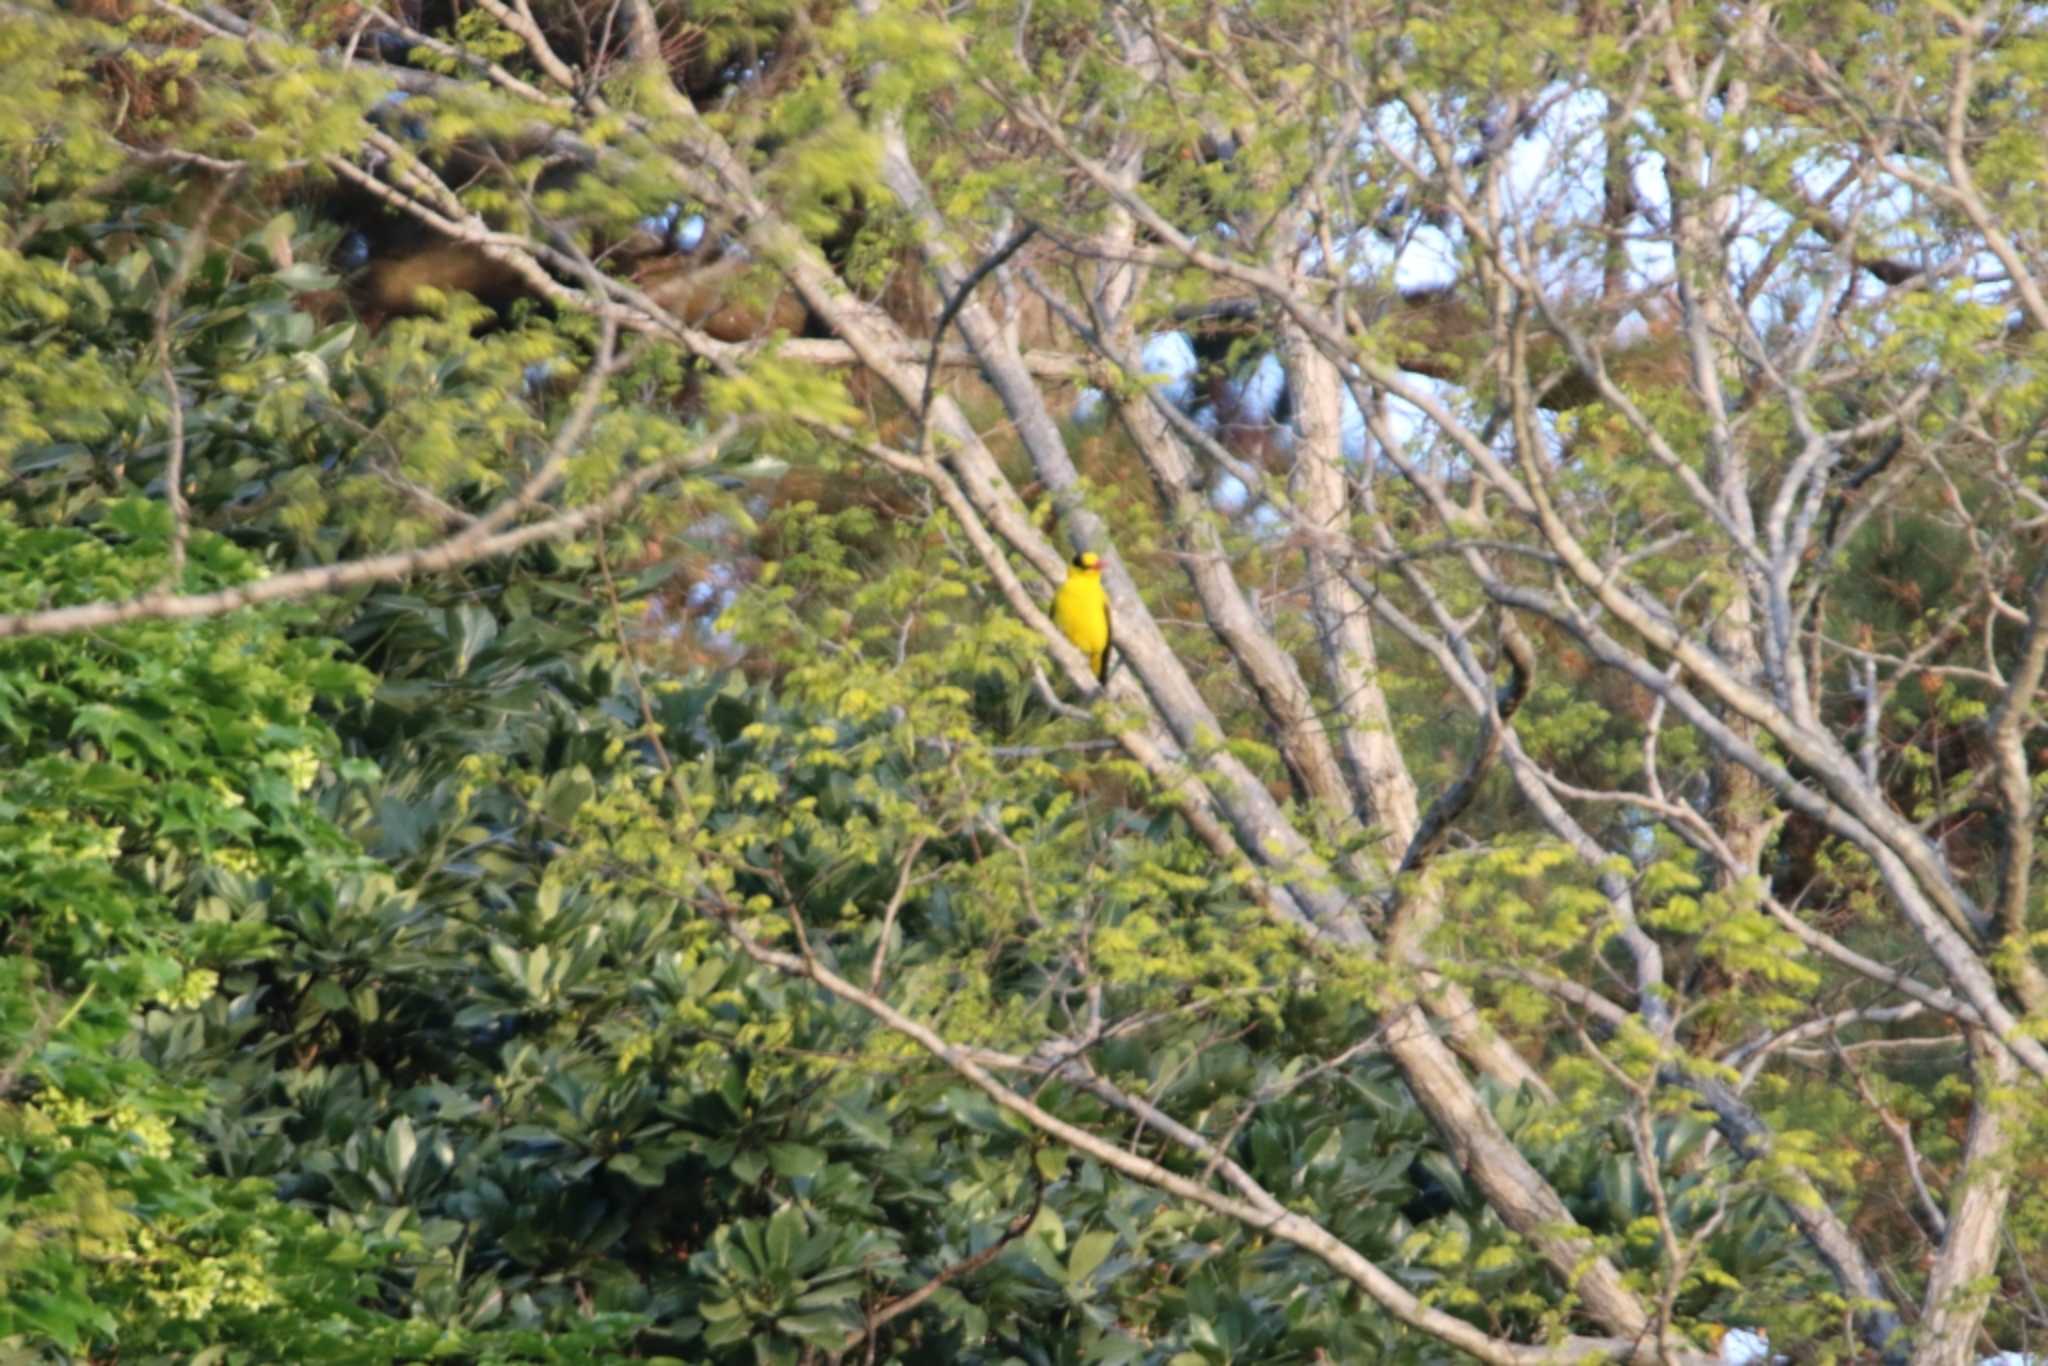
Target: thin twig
x: 189, y: 256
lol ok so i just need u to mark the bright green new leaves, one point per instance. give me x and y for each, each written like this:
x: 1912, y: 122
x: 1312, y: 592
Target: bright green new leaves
x: 155, y: 801
x: 157, y: 763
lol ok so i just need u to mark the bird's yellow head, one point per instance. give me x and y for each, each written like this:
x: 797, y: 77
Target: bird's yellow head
x: 1088, y: 562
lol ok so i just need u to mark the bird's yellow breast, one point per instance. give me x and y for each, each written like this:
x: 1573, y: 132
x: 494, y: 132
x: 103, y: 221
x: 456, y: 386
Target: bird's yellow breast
x: 1081, y: 610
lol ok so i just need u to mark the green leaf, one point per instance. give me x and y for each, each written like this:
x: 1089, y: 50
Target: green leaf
x: 793, y: 1160
x: 820, y: 1330
x: 400, y: 1145
x: 1090, y: 1250
x: 473, y: 629
x: 634, y: 1169
x: 785, y: 1231
x: 838, y: 1292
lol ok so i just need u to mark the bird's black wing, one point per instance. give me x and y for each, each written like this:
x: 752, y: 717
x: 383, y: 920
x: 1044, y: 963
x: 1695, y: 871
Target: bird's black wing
x: 1108, y: 638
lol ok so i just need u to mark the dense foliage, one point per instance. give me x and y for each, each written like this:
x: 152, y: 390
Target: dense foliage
x: 541, y: 820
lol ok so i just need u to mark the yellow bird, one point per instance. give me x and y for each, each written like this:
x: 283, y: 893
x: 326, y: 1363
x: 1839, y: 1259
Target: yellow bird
x: 1081, y: 610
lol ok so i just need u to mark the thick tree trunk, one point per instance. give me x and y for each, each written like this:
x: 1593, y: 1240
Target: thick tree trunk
x: 1964, y: 1277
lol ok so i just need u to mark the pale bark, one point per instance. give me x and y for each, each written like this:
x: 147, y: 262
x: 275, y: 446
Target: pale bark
x: 1957, y: 1289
